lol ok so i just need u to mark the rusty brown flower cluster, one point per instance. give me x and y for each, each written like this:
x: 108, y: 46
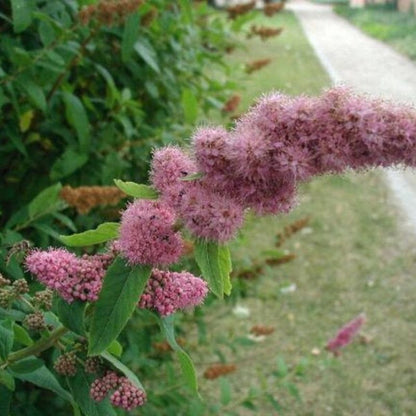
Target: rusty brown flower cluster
x: 108, y: 12
x: 291, y: 229
x: 232, y: 103
x: 217, y: 370
x: 271, y: 9
x: 254, y: 66
x: 264, y: 32
x: 259, y: 330
x: 84, y: 198
x: 239, y: 9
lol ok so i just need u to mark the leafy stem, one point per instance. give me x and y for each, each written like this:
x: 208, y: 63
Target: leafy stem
x: 38, y: 347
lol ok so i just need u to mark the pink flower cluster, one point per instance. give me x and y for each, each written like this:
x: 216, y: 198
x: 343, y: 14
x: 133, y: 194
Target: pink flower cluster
x: 346, y: 334
x: 71, y: 276
x: 205, y: 213
x: 125, y: 394
x: 284, y: 140
x: 147, y: 234
x: 166, y: 292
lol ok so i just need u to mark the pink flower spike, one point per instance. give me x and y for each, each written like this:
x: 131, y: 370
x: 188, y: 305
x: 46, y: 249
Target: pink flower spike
x: 147, y: 235
x: 346, y: 334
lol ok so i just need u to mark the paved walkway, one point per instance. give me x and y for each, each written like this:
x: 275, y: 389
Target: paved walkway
x: 352, y: 58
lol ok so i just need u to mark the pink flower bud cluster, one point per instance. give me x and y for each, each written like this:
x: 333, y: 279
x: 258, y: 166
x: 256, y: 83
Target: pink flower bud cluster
x: 71, y: 276
x: 284, y: 140
x: 205, y: 213
x: 166, y: 292
x: 147, y: 234
x: 346, y: 334
x: 125, y: 394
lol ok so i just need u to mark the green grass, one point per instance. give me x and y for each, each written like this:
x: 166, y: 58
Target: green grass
x: 294, y: 68
x: 351, y: 259
x: 384, y: 23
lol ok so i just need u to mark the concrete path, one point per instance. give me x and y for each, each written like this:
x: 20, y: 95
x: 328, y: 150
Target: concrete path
x: 352, y: 58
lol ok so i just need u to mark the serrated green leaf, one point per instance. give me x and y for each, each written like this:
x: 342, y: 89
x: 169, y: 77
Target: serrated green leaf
x: 6, y: 338
x: 36, y: 95
x: 189, y: 106
x: 125, y: 370
x: 43, y: 378
x: 104, y: 232
x: 80, y: 386
x: 136, y: 190
x: 69, y: 162
x: 146, y: 51
x: 187, y: 366
x: 6, y: 379
x: 22, y: 14
x: 44, y: 202
x: 21, y: 335
x: 27, y: 365
x: 71, y: 314
x: 78, y: 119
x: 122, y: 287
x: 131, y: 30
x: 214, y: 261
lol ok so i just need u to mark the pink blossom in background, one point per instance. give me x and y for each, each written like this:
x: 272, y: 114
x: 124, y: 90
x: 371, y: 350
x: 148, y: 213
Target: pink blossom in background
x: 147, y: 234
x: 71, y: 276
x: 346, y: 334
x: 166, y: 292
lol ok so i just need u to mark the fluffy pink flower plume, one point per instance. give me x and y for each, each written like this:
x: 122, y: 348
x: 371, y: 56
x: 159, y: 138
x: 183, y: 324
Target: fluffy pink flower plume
x: 346, y: 334
x: 205, y: 213
x: 284, y: 140
x: 166, y: 292
x: 147, y: 234
x: 71, y: 276
x: 125, y: 394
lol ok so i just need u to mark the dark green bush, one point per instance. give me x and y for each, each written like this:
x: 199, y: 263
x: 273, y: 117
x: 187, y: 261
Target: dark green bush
x: 85, y: 103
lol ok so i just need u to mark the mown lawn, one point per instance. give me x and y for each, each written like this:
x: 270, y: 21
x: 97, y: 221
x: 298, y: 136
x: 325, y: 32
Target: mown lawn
x: 384, y: 23
x: 351, y: 258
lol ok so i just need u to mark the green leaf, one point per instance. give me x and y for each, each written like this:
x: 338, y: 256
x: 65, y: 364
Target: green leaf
x: 192, y: 177
x: 225, y: 388
x: 69, y: 162
x: 115, y: 348
x: 21, y: 335
x: 46, y: 32
x: 122, y: 287
x: 5, y: 400
x: 214, y: 260
x: 147, y: 53
x: 6, y: 338
x: 22, y: 14
x: 104, y: 232
x: 45, y: 201
x: 78, y: 119
x: 189, y: 106
x: 36, y: 95
x: 27, y: 365
x: 125, y: 370
x: 136, y: 190
x: 6, y: 379
x: 131, y: 30
x: 43, y: 378
x: 187, y: 366
x: 80, y: 385
x: 71, y: 314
